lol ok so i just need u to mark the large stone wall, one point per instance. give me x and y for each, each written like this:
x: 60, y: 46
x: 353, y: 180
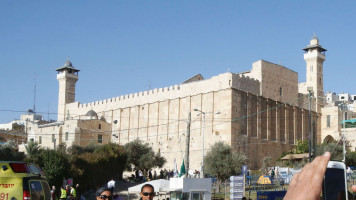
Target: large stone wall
x: 277, y: 82
x: 264, y: 127
x: 216, y: 83
x: 250, y: 123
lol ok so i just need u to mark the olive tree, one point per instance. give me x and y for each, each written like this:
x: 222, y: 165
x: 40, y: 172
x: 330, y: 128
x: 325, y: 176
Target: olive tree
x: 141, y: 156
x: 222, y: 161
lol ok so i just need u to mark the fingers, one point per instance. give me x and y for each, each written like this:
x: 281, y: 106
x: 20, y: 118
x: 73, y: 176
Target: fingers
x: 323, y: 162
x: 307, y: 183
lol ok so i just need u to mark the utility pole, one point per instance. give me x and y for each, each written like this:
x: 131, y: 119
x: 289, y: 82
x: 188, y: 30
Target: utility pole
x: 314, y: 140
x: 343, y: 108
x: 34, y: 97
x: 310, y: 89
x: 187, y: 143
x: 203, y: 139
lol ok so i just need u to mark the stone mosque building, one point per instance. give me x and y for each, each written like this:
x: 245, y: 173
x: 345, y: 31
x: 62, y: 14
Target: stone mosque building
x: 263, y: 112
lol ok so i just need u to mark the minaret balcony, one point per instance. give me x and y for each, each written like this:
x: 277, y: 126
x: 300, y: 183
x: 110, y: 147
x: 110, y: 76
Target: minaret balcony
x: 313, y: 55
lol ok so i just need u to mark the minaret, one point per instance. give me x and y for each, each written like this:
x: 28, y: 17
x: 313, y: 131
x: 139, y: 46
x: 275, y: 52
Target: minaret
x: 314, y: 57
x: 67, y: 77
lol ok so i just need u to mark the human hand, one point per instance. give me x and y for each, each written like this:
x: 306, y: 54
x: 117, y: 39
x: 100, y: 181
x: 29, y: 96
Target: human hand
x: 307, y: 183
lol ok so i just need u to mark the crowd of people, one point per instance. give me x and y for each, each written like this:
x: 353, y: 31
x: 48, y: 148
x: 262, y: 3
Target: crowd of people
x: 306, y: 184
x: 67, y: 192
x: 148, y: 175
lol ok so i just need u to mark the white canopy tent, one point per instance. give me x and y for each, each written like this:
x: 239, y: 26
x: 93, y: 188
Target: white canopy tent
x: 191, y: 188
x: 160, y: 185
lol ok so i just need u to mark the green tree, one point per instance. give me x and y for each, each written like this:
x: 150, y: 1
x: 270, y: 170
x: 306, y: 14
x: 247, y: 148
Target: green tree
x: 351, y: 158
x: 55, y: 164
x: 18, y: 127
x: 77, y: 150
x: 142, y: 156
x: 116, y: 159
x: 334, y: 148
x: 93, y: 168
x: 10, y: 153
x: 302, y: 147
x: 221, y: 161
x: 266, y: 164
x: 33, y: 150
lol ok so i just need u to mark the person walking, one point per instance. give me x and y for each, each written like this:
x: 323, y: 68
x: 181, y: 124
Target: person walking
x: 53, y: 193
x: 63, y: 193
x: 155, y: 175
x: 137, y: 175
x: 272, y: 175
x: 68, y: 190
x: 150, y: 175
x: 161, y: 174
x: 79, y: 193
x: 73, y: 192
x: 140, y: 174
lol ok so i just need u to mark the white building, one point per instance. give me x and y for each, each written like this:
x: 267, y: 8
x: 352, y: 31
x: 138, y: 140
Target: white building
x: 25, y: 119
x: 262, y: 112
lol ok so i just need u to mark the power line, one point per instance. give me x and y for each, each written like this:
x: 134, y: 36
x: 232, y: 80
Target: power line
x: 180, y: 132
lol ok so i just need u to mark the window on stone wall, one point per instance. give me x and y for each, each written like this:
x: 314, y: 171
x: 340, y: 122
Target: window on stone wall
x: 100, y: 138
x: 280, y: 91
x: 99, y: 126
x: 345, y: 115
x: 40, y: 140
x: 66, y: 136
x: 53, y: 138
x: 319, y: 80
x: 327, y: 120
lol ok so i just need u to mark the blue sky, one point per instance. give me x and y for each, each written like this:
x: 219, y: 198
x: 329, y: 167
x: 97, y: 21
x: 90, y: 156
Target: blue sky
x: 124, y: 47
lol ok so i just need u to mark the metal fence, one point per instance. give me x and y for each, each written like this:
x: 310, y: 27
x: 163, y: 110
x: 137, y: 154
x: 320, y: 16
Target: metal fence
x: 221, y: 190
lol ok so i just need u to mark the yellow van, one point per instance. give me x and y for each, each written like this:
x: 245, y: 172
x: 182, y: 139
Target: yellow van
x: 22, y: 181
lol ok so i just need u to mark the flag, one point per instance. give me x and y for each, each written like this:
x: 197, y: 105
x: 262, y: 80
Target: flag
x: 182, y: 169
x: 175, y: 169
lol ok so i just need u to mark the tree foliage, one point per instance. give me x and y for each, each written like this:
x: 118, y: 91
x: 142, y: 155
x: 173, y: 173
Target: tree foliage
x: 18, y: 127
x: 33, y: 150
x: 266, y: 164
x: 55, y: 164
x: 302, y: 147
x: 10, y: 153
x: 221, y: 161
x: 351, y: 158
x: 141, y: 156
x: 92, y: 168
x: 334, y: 148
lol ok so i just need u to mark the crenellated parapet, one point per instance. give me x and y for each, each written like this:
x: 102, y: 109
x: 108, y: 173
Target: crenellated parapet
x: 216, y: 83
x: 246, y: 83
